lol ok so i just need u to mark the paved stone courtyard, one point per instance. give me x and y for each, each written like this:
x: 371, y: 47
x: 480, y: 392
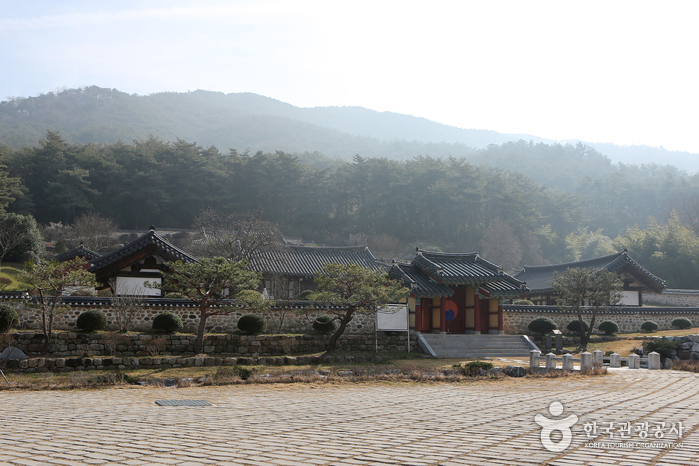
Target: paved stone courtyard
x: 353, y: 424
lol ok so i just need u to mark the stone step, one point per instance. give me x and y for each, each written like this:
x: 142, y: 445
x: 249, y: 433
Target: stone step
x: 477, y: 346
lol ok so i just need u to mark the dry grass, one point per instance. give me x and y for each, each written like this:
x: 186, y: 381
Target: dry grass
x: 687, y: 366
x: 234, y: 375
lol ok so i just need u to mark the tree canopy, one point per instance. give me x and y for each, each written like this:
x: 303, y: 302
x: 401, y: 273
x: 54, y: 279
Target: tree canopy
x: 210, y: 281
x: 348, y: 289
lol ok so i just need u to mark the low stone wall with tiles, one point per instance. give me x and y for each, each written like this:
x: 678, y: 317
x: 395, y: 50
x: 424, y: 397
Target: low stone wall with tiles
x: 629, y: 319
x: 684, y: 298
x: 116, y: 345
x: 296, y: 319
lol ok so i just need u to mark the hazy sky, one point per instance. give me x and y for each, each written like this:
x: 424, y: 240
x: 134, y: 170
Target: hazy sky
x: 607, y: 71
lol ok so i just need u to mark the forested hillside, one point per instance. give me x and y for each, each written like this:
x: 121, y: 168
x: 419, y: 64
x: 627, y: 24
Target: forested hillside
x: 440, y: 203
x: 250, y: 121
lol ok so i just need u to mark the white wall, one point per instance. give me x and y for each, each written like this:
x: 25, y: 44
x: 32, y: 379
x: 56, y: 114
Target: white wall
x: 136, y: 286
x: 629, y: 298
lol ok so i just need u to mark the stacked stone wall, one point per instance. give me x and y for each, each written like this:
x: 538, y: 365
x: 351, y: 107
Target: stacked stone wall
x: 294, y: 320
x: 517, y: 322
x: 114, y: 344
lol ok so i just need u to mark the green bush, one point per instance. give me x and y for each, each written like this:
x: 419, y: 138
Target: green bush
x: 305, y: 294
x: 8, y: 317
x: 475, y: 368
x: 324, y: 324
x: 92, y: 320
x: 167, y: 322
x: 542, y: 325
x: 682, y: 323
x: 649, y: 326
x: 662, y: 346
x: 524, y: 302
x: 252, y: 324
x: 574, y: 326
x: 608, y: 327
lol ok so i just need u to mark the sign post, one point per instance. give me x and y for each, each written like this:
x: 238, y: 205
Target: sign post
x: 392, y: 318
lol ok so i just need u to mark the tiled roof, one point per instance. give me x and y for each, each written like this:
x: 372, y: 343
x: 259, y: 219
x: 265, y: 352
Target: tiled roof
x: 539, y: 277
x: 304, y: 261
x: 611, y: 310
x: 151, y: 238
x: 420, y: 284
x: 458, y: 268
x: 80, y: 251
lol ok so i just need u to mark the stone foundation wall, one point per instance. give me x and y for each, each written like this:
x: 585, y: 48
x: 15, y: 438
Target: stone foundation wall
x: 684, y: 298
x: 115, y: 345
x: 294, y: 320
x: 516, y: 321
x: 165, y: 362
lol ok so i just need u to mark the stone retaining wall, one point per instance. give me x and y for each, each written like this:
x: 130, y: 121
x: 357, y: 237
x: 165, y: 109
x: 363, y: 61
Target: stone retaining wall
x: 167, y: 362
x: 108, y: 344
x: 684, y: 298
x: 629, y: 319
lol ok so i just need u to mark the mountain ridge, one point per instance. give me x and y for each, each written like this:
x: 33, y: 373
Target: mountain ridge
x: 251, y: 121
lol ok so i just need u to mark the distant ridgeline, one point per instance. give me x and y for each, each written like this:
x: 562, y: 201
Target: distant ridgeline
x: 250, y: 121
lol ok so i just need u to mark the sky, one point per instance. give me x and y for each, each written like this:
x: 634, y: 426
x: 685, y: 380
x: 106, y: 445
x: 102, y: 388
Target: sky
x: 599, y: 71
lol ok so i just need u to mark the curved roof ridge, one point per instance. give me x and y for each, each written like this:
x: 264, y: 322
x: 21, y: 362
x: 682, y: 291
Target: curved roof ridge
x: 149, y: 238
x: 81, y: 250
x: 455, y: 255
x: 613, y: 257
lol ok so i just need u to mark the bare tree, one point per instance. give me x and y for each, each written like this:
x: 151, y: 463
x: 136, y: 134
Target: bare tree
x: 500, y: 245
x: 687, y: 208
x: 283, y: 291
x: 386, y: 247
x: 127, y: 305
x: 94, y: 231
x: 239, y: 236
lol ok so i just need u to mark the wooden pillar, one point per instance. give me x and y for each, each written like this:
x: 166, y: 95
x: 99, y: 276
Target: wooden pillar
x: 477, y: 314
x: 443, y: 316
x: 501, y: 319
x: 417, y: 316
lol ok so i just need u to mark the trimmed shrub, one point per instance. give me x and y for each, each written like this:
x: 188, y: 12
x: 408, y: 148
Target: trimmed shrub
x: 305, y: 294
x: 542, y: 325
x: 524, y: 302
x: 662, y: 346
x: 92, y: 320
x: 608, y: 327
x: 252, y: 324
x: 324, y: 324
x: 574, y: 326
x: 5, y: 281
x: 8, y: 317
x: 476, y: 368
x: 682, y: 323
x: 649, y: 326
x: 167, y: 322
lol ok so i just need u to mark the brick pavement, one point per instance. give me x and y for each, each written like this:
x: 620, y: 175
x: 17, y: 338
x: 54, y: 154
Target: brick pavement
x: 363, y: 424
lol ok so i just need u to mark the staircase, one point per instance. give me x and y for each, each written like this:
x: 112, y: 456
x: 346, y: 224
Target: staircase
x: 475, y: 346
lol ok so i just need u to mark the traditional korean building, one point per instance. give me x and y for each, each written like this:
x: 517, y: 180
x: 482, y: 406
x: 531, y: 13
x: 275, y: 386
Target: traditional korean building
x: 81, y: 251
x: 636, y: 278
x: 456, y: 293
x: 289, y: 270
x: 140, y: 261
